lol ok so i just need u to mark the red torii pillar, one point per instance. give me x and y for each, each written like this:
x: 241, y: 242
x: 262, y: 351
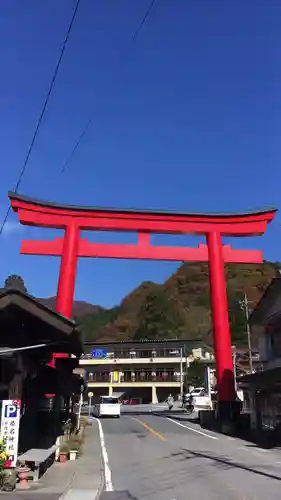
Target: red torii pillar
x: 221, y: 329
x: 68, y: 266
x: 74, y: 219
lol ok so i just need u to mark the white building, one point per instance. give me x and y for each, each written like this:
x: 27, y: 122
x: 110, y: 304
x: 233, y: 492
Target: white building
x: 146, y: 371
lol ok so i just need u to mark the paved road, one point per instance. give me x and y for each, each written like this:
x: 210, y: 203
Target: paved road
x: 159, y: 457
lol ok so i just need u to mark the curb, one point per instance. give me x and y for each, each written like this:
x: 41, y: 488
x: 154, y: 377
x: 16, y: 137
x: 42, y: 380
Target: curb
x: 101, y: 487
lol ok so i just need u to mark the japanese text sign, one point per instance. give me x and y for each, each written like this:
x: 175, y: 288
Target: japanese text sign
x: 10, y: 423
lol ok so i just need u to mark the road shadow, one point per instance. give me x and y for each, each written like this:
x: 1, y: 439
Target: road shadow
x: 263, y: 446
x: 179, y: 416
x: 136, y: 412
x: 117, y: 495
x: 160, y: 413
x: 224, y: 463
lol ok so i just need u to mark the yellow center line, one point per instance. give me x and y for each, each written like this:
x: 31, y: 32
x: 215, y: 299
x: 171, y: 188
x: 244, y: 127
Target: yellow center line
x: 149, y: 429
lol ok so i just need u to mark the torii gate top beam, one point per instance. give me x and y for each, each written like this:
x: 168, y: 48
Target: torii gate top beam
x: 33, y: 212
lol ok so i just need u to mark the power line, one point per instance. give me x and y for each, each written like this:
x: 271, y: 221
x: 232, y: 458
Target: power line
x: 90, y: 120
x: 44, y: 108
x: 68, y: 160
x: 135, y: 35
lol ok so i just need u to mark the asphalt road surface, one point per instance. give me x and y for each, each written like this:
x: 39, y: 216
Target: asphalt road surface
x: 155, y: 456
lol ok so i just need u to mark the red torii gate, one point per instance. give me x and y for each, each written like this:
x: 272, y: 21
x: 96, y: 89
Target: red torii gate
x: 73, y: 219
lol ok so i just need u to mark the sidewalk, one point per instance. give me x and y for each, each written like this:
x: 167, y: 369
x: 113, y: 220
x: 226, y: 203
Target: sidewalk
x: 87, y: 480
x: 79, y: 479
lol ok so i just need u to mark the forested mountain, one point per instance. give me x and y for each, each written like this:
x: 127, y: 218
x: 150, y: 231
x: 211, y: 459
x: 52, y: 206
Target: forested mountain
x: 180, y: 307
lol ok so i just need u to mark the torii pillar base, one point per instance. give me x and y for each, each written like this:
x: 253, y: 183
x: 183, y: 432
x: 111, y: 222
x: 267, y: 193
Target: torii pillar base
x: 228, y: 413
x: 225, y: 417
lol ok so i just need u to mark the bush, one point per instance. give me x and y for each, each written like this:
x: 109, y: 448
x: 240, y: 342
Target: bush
x: 64, y: 448
x: 75, y: 444
x: 83, y: 422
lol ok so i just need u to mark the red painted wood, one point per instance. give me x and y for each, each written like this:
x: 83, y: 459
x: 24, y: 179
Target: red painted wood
x: 140, y: 251
x: 71, y: 247
x: 221, y: 329
x: 254, y: 226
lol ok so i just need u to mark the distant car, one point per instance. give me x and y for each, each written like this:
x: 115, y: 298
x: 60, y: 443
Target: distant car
x: 108, y: 406
x: 197, y: 391
x: 130, y: 401
x: 200, y: 399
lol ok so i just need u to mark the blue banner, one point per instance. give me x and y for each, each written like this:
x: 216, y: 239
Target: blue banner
x: 99, y: 353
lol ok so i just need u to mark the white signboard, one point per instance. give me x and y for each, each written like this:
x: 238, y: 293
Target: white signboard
x: 10, y: 423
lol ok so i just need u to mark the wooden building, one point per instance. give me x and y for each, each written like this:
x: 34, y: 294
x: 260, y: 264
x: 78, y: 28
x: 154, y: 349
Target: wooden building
x: 263, y: 388
x: 29, y: 334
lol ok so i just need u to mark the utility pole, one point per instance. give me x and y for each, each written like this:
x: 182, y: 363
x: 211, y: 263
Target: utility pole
x: 181, y: 375
x: 248, y: 332
x: 244, y: 304
x: 234, y: 366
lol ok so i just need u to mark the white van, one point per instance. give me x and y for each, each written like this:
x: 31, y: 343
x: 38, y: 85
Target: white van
x: 108, y: 406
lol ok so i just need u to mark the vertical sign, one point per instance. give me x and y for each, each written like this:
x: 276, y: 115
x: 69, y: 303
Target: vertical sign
x: 90, y: 395
x: 10, y: 423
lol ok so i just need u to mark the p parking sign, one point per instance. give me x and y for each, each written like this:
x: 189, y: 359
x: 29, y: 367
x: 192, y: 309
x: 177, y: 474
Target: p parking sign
x: 10, y: 411
x: 10, y: 421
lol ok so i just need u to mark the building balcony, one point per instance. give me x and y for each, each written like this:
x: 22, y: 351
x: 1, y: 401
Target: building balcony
x: 128, y: 361
x: 129, y: 378
x: 133, y: 354
x: 96, y: 377
x: 149, y: 378
x: 131, y: 384
x: 160, y: 359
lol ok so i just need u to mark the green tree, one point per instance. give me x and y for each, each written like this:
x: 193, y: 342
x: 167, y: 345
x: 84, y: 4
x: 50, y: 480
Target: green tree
x: 89, y: 326
x: 195, y: 373
x: 159, y: 318
x: 237, y: 318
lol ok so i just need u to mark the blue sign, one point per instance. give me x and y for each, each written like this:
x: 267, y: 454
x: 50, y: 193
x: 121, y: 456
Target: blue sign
x: 99, y: 353
x: 10, y: 411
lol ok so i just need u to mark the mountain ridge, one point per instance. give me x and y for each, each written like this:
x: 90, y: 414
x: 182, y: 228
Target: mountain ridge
x: 80, y: 307
x: 180, y: 307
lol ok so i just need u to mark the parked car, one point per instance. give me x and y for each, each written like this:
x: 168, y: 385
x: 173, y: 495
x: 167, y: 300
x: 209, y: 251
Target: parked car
x: 197, y: 391
x: 107, y: 406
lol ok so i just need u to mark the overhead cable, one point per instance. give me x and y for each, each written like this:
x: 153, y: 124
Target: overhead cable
x: 44, y: 108
x: 90, y: 120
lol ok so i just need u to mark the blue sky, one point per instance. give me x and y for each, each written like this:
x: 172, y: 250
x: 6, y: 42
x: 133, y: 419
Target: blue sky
x: 189, y: 120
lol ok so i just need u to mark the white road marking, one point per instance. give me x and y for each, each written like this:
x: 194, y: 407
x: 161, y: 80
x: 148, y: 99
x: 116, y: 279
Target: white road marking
x: 191, y: 429
x: 261, y: 449
x: 107, y: 471
x: 246, y: 448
